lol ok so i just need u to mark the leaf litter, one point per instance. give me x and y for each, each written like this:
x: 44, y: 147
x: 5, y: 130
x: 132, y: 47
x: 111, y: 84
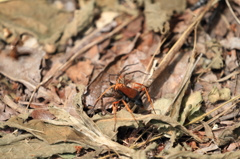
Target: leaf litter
x: 52, y: 72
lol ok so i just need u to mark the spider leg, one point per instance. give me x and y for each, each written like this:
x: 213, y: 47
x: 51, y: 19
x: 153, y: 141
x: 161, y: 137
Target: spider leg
x: 130, y: 111
x: 143, y: 88
x: 125, y: 67
x: 109, y: 79
x: 131, y: 80
x: 102, y: 95
x: 114, y: 107
x: 134, y: 72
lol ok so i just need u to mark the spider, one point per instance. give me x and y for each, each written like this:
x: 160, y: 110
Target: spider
x: 126, y: 92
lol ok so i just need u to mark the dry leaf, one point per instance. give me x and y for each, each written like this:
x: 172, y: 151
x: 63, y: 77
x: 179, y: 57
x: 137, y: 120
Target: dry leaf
x: 36, y: 18
x: 158, y: 13
x: 35, y: 148
x: 106, y: 18
x: 80, y: 72
x: 191, y: 105
x: 216, y: 95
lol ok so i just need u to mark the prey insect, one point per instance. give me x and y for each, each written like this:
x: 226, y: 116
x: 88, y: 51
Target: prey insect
x: 127, y: 91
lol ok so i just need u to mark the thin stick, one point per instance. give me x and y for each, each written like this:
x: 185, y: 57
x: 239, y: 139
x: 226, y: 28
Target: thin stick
x: 229, y: 76
x: 84, y: 49
x: 220, y: 106
x: 214, y: 118
x: 179, y: 43
x: 231, y: 10
x: 155, y: 53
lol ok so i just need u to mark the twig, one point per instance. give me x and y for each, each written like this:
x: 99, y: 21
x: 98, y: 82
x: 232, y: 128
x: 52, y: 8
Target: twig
x: 229, y: 76
x: 8, y: 101
x: 155, y: 53
x: 179, y: 43
x: 220, y: 106
x: 214, y: 118
x: 186, y: 79
x: 84, y: 49
x: 231, y: 10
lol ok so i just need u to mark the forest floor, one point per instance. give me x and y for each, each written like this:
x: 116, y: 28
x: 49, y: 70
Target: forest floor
x: 119, y: 79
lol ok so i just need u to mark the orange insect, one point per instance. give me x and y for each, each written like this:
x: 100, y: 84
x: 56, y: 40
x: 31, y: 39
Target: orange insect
x: 124, y: 88
x: 78, y: 149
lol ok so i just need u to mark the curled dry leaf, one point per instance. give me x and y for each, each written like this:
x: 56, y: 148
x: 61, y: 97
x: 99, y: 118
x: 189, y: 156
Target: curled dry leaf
x: 191, y: 106
x: 216, y: 95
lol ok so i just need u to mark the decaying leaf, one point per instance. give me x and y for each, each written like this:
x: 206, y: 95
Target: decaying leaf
x: 216, y: 94
x: 82, y: 20
x: 231, y: 43
x: 229, y: 134
x: 46, y: 22
x: 162, y: 105
x: 124, y: 118
x: 56, y: 120
x: 215, y: 52
x: 35, y: 149
x: 80, y: 72
x: 158, y: 13
x: 191, y: 105
x: 26, y: 70
x: 180, y: 152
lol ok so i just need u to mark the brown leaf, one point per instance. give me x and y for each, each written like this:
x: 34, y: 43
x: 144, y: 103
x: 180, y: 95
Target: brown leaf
x: 41, y: 112
x: 26, y: 70
x: 6, y: 112
x: 80, y: 72
x: 133, y: 28
x: 100, y: 84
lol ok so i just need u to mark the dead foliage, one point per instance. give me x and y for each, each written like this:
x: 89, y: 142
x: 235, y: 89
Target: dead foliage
x: 119, y: 79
